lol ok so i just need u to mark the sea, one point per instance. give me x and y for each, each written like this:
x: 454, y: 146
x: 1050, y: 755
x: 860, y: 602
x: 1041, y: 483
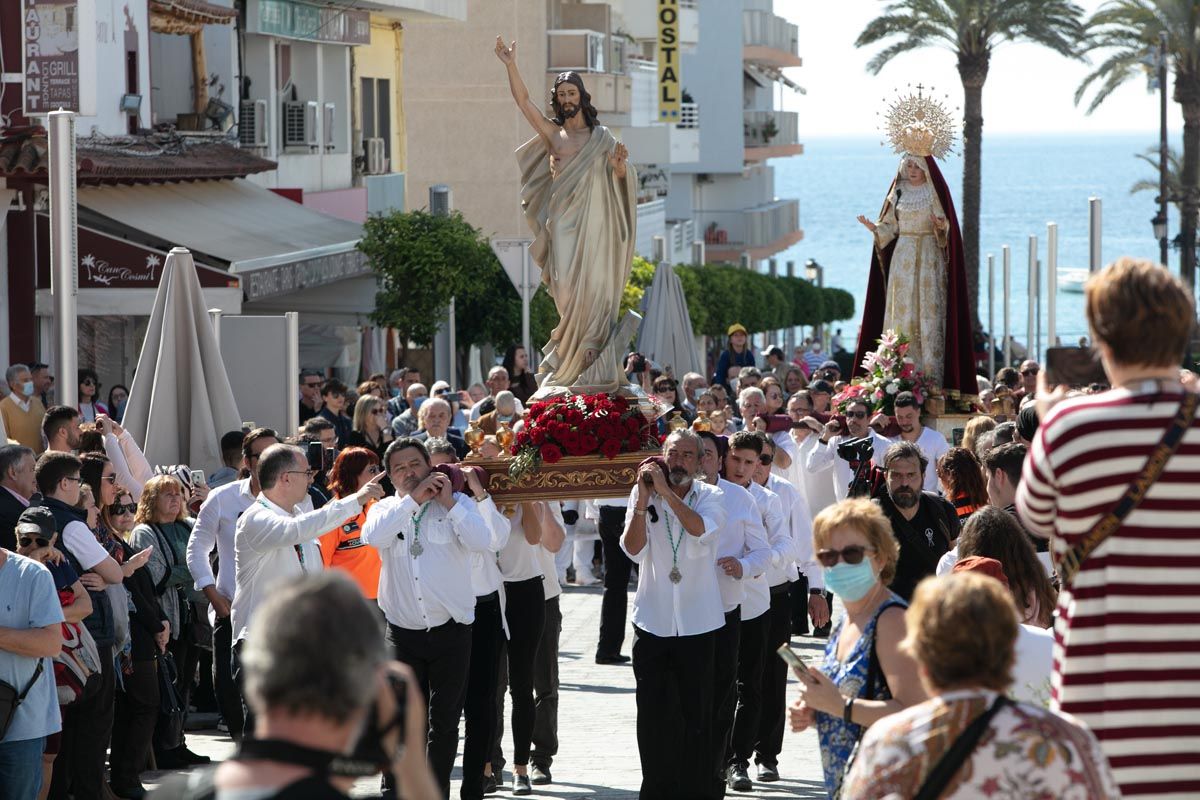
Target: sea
x: 1028, y: 181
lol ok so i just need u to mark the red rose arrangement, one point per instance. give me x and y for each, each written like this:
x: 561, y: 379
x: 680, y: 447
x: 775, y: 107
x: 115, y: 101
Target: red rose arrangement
x: 580, y: 425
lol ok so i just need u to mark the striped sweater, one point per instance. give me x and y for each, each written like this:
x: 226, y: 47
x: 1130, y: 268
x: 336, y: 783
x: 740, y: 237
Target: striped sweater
x: 1127, y: 633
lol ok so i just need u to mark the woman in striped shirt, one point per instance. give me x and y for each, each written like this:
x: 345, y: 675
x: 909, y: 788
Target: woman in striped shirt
x: 1127, y: 632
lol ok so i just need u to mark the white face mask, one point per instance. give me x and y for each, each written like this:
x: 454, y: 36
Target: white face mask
x: 27, y: 388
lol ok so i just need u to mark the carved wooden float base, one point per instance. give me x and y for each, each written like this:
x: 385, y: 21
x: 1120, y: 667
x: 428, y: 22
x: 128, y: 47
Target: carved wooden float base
x: 572, y: 478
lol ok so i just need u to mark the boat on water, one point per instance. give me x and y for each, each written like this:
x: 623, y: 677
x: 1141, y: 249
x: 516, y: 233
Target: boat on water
x: 1072, y: 280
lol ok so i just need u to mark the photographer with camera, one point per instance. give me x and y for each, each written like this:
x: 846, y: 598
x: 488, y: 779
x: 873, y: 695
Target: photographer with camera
x: 924, y: 523
x: 846, y: 450
x: 329, y: 706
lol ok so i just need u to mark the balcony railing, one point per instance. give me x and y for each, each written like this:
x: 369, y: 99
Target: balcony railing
x: 764, y: 29
x: 752, y: 227
x: 770, y: 128
x: 689, y: 115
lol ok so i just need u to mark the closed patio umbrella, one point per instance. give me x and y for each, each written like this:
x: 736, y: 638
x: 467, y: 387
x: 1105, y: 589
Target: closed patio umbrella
x: 181, y: 403
x: 666, y: 335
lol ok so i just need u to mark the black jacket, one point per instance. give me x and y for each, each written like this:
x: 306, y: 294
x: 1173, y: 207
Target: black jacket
x: 146, y: 617
x: 10, y: 511
x: 920, y: 550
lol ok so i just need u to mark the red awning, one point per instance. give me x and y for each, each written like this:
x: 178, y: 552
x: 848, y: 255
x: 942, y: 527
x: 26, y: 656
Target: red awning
x: 156, y: 158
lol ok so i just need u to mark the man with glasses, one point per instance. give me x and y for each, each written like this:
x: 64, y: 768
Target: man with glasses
x: 425, y: 534
x: 823, y: 456
x: 923, y: 522
x: 214, y: 529
x: 1029, y: 375
x: 310, y: 394
x: 275, y: 540
x: 17, y: 487
x: 672, y: 527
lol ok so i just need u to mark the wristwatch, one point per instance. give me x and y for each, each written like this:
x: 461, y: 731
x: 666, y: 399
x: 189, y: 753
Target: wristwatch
x: 480, y: 499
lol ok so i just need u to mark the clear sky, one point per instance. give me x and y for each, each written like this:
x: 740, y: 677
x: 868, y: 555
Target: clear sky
x: 1029, y: 88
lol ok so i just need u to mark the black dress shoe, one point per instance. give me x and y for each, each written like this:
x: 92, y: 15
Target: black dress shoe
x: 613, y: 659
x: 489, y: 784
x: 538, y: 775
x: 188, y: 757
x: 131, y: 792
x: 767, y: 774
x: 521, y: 784
x: 738, y: 779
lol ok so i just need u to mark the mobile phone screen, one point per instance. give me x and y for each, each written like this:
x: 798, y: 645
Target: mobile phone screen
x: 789, y: 655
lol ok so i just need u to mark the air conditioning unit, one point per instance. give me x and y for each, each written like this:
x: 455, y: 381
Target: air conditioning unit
x: 377, y: 162
x: 252, y: 123
x: 300, y: 123
x: 327, y: 124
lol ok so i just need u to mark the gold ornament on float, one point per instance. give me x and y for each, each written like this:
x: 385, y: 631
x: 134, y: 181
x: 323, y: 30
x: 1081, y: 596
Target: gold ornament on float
x: 918, y: 124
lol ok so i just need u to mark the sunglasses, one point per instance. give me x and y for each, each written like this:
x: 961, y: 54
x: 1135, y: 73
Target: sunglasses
x: 851, y: 555
x: 856, y: 415
x: 1029, y: 373
x: 30, y: 541
x: 87, y: 382
x: 122, y: 508
x: 765, y: 459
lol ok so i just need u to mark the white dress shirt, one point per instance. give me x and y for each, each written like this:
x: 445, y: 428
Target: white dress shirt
x: 934, y: 446
x: 22, y: 404
x: 823, y: 458
x: 769, y: 508
x: 816, y: 487
x: 784, y: 441
x: 519, y: 559
x: 799, y: 525
x: 265, y: 553
x: 742, y: 537
x: 692, y: 606
x: 216, y: 524
x: 485, y: 571
x: 420, y: 592
x: 551, y: 588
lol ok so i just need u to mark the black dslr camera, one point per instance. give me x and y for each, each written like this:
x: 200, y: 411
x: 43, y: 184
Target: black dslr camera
x: 860, y: 449
x: 859, y: 452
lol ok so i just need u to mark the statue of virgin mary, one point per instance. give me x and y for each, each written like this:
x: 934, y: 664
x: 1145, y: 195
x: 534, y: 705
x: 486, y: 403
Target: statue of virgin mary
x: 918, y: 283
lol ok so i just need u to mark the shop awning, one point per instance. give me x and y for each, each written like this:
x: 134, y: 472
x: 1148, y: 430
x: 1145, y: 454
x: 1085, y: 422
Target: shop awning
x: 275, y: 246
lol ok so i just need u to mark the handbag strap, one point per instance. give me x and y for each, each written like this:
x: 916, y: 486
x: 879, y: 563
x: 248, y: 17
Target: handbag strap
x: 950, y: 762
x: 37, y: 673
x: 1136, y: 492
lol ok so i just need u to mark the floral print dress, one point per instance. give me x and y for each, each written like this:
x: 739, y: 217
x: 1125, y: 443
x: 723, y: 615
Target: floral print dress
x: 1027, y: 753
x: 838, y: 737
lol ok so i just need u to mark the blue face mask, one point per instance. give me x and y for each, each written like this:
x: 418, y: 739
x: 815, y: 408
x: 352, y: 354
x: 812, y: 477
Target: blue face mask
x: 27, y: 388
x: 850, y: 581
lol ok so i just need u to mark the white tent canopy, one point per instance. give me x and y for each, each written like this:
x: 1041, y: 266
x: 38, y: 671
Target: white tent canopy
x: 666, y: 333
x: 181, y: 402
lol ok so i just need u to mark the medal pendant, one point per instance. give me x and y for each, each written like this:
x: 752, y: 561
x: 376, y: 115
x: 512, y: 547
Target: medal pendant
x: 416, y: 549
x: 676, y: 576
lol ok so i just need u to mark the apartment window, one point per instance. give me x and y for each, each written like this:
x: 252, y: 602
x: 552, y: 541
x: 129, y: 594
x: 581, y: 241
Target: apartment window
x: 377, y: 111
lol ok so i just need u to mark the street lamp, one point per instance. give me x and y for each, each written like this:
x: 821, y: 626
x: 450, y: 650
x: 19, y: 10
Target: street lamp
x: 1160, y: 226
x: 816, y: 276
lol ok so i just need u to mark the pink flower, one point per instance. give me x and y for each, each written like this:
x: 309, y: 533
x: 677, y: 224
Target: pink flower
x: 868, y: 362
x: 890, y: 338
x: 907, y: 371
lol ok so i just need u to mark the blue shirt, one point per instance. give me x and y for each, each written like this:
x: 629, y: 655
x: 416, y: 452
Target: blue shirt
x: 28, y: 600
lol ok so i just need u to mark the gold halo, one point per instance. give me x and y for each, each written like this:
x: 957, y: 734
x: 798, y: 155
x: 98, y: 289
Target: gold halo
x: 920, y: 125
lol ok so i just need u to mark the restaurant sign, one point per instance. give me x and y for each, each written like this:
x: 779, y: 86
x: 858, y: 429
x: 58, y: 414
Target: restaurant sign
x: 296, y: 275
x: 58, y: 56
x: 314, y: 23
x: 107, y: 262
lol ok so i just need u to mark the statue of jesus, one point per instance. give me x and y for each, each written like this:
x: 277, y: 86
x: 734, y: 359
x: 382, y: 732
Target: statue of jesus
x: 578, y: 195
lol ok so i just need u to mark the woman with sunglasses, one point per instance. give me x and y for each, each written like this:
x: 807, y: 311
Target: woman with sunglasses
x: 163, y: 523
x: 371, y: 426
x: 864, y: 676
x: 137, y: 699
x: 343, y: 547
x: 89, y: 391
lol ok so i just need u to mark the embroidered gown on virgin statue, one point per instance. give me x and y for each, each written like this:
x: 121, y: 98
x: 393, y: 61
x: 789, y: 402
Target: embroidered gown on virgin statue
x: 918, y: 284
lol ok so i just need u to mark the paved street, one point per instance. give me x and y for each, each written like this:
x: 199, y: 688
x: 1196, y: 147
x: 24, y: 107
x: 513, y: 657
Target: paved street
x: 598, y: 755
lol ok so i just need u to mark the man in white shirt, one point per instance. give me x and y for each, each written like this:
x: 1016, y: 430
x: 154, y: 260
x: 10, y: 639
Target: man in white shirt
x: 425, y: 534
x: 671, y: 530
x: 821, y: 455
x: 742, y: 556
x: 932, y: 443
x: 215, y: 526
x: 274, y: 544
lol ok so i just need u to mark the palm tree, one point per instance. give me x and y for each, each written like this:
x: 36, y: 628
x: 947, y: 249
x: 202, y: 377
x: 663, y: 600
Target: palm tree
x: 971, y: 29
x: 1129, y: 30
x: 1174, y: 176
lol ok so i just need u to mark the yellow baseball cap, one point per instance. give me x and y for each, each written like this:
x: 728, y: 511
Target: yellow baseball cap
x: 737, y: 327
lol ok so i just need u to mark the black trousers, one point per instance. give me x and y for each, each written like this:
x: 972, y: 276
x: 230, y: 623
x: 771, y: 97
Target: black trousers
x: 774, y: 680
x: 799, y: 594
x: 725, y: 668
x: 480, y: 704
x: 187, y: 659
x: 441, y: 660
x: 239, y: 680
x: 87, y: 726
x: 617, y: 569
x: 229, y: 698
x: 526, y: 614
x: 674, y: 713
x: 134, y: 718
x: 545, y: 689
x: 751, y: 657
